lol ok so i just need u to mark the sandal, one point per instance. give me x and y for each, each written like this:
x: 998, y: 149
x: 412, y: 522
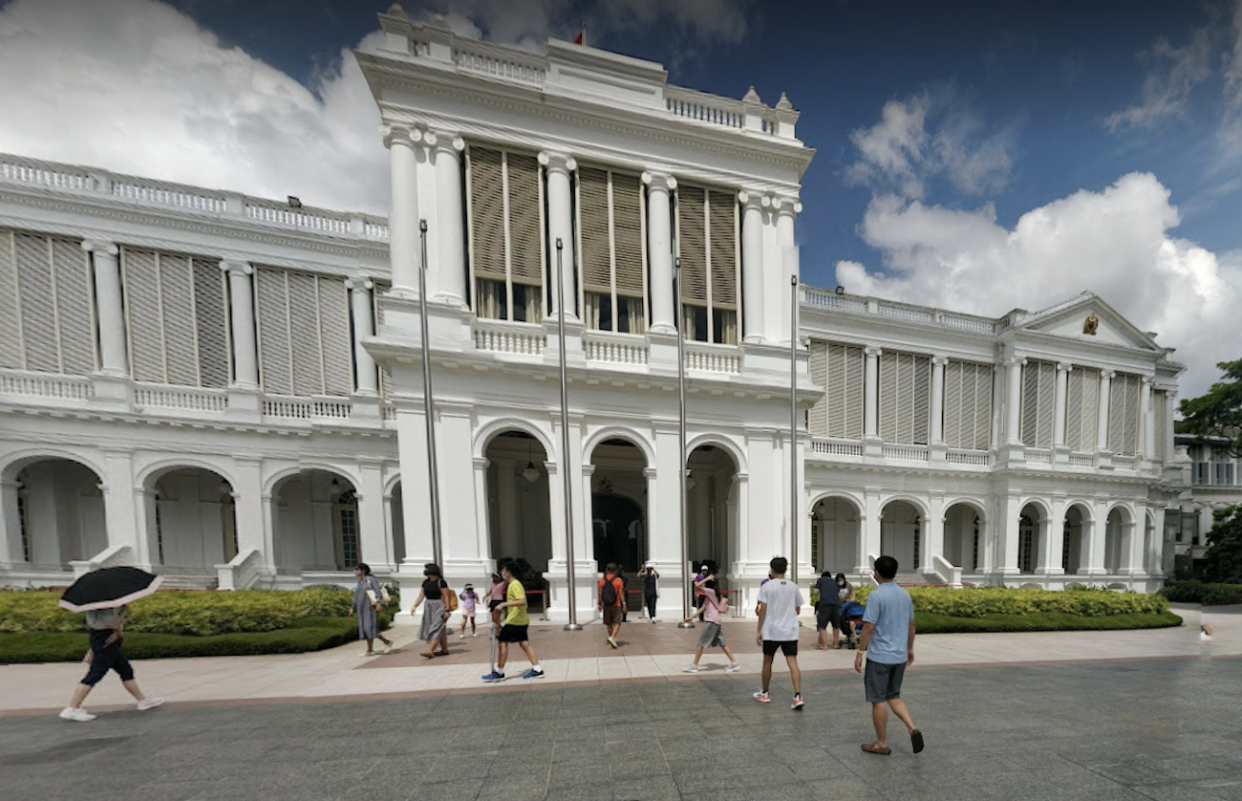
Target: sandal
x: 425, y: 655
x: 916, y: 740
x: 871, y: 748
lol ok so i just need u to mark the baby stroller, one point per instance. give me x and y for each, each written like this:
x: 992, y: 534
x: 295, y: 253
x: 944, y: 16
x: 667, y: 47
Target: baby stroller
x: 852, y: 621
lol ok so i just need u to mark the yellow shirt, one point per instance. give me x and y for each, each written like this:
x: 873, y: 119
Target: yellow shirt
x: 516, y: 615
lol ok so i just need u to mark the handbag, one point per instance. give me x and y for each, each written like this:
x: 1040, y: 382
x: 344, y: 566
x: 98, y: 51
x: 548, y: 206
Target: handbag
x: 450, y: 599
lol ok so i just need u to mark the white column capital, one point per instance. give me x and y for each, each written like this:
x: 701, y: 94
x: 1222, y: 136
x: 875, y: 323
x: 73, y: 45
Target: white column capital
x: 99, y: 246
x: 482, y: 462
x: 358, y: 284
x: 659, y: 181
x: 1064, y: 367
x: 786, y: 205
x: 649, y: 472
x: 873, y: 350
x: 1147, y: 381
x: 400, y: 135
x: 445, y: 142
x: 940, y: 359
x: 557, y: 162
x: 750, y: 199
x: 1109, y: 374
x: 1015, y: 361
x: 236, y: 267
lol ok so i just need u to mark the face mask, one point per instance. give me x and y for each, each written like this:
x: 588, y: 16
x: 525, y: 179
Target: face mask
x: 840, y: 583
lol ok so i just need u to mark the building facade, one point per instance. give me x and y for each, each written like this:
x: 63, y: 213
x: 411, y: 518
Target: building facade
x: 228, y: 390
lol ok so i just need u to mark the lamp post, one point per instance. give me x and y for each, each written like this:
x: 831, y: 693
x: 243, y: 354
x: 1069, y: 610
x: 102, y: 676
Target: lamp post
x: 428, y: 409
x: 679, y: 318
x: 793, y: 429
x: 573, y: 624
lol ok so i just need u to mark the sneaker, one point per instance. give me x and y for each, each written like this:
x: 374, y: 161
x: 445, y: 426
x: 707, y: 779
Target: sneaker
x: 734, y: 667
x: 494, y: 676
x: 762, y: 697
x: 689, y: 668
x: 387, y: 649
x: 79, y: 714
x: 797, y: 703
x: 463, y: 636
x: 476, y: 634
x: 612, y: 642
x: 533, y: 674
x: 150, y: 703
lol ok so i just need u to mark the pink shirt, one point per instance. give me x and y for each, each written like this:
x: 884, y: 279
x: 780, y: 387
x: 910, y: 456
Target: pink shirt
x: 711, y: 612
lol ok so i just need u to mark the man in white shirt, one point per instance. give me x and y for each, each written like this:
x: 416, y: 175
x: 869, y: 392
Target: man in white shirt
x: 780, y: 601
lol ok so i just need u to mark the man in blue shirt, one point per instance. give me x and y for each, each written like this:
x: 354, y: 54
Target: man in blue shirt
x: 888, y: 643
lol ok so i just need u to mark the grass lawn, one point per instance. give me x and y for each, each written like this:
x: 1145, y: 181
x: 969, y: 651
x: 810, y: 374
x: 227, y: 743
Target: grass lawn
x: 930, y: 623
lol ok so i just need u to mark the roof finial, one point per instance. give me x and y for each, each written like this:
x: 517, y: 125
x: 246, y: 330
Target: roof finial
x: 783, y: 104
x: 751, y: 96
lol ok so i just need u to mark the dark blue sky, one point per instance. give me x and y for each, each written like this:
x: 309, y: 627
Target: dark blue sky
x: 1042, y: 76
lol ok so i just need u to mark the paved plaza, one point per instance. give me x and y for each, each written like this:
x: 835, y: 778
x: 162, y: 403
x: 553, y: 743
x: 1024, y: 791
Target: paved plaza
x: 1057, y: 716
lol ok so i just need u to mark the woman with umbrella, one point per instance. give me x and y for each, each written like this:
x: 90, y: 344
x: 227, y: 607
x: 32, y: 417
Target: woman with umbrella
x: 104, y: 596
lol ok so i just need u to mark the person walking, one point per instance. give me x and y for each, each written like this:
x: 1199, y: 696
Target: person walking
x: 515, y: 629
x: 434, y: 627
x: 469, y: 599
x: 827, y: 611
x: 780, y: 601
x: 888, y: 645
x: 106, y: 653
x: 650, y: 575
x: 712, y: 635
x: 368, y: 600
x: 495, y: 597
x: 611, y: 595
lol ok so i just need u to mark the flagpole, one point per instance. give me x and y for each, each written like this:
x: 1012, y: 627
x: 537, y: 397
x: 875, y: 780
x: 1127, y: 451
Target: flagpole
x: 572, y: 625
x: 793, y: 428
x: 428, y: 408
x: 681, y: 434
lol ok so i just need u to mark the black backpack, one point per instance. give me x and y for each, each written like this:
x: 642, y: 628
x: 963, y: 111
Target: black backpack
x: 609, y: 592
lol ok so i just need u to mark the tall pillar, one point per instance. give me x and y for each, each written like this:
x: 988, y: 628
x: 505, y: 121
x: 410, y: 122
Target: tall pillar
x: 1132, y: 531
x: 998, y: 401
x: 869, y: 532
x: 786, y: 210
x: 403, y: 234
x: 1013, y: 400
x: 373, y: 543
x: 482, y: 505
x: 660, y: 250
x: 1052, y: 540
x: 664, y: 508
x: 937, y: 400
x: 506, y: 507
x: 12, y: 549
x: 253, y: 533
x: 1170, y: 405
x: 752, y: 267
x: 122, y: 507
x: 108, y: 306
x: 365, y: 381
x: 871, y: 396
x: 1058, y: 419
x: 1106, y: 387
x: 558, y: 166
x: 1005, y: 558
x: 933, y: 536
x: 1147, y: 444
x: 1097, y: 540
x: 415, y: 496
x: 241, y: 315
x: 450, y: 220
x: 457, y: 504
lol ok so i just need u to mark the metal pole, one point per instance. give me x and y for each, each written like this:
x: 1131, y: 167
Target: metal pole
x: 428, y: 409
x: 572, y: 625
x: 793, y: 428
x: 679, y: 318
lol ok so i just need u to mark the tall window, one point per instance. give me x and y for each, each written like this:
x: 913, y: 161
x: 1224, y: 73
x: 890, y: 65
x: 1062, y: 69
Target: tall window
x: 611, y: 236
x: 968, y: 405
x: 505, y: 197
x: 707, y: 245
x: 23, y: 522
x: 1026, y: 545
x: 839, y: 370
x: 47, y: 308
x: 305, y: 345
x: 346, y: 508
x: 974, y: 547
x: 1123, y: 414
x: 905, y: 398
x: 1082, y: 409
x: 1039, y: 395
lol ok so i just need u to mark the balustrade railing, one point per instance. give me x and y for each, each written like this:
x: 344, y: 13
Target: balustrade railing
x: 1124, y: 462
x: 710, y: 109
x: 836, y: 447
x: 305, y: 408
x: 503, y: 63
x: 1082, y: 460
x: 967, y: 457
x: 188, y: 398
x: 522, y: 339
x: 33, y: 171
x: 827, y: 299
x: 1038, y: 456
x: 150, y: 192
x: 906, y: 453
x: 45, y: 385
x: 625, y: 349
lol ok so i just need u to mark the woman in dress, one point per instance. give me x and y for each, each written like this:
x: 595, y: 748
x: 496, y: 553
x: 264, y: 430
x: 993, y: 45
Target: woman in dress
x: 844, y: 588
x: 368, y: 598
x: 435, y: 614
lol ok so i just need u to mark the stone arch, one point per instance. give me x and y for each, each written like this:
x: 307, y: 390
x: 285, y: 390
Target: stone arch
x: 965, y: 533
x: 1085, y: 509
x: 272, y: 482
x: 858, y: 502
x: 1034, y: 519
x: 617, y: 460
x: 14, y: 463
x: 485, y: 434
x: 54, y: 506
x: 901, y: 533
x: 1076, y: 526
x: 835, y: 537
x: 149, y: 475
x: 618, y: 432
x: 737, y: 453
x: 1045, y: 510
x: 191, y: 517
x: 979, y: 507
x: 519, y: 514
x: 315, y: 523
x: 1126, y: 512
x: 1119, y: 530
x: 714, y: 466
x: 919, y: 504
x: 391, y: 483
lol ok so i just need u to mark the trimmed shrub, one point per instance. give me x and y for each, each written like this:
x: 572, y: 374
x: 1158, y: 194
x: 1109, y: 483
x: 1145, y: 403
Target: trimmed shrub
x: 980, y: 602
x: 1198, y: 592
x: 929, y: 623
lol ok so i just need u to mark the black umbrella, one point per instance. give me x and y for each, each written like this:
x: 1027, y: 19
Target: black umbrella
x: 108, y: 588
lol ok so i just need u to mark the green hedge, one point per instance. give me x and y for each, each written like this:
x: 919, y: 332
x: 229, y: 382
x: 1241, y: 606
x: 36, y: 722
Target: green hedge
x: 307, y: 634
x: 1198, y: 592
x: 981, y: 602
x: 931, y: 623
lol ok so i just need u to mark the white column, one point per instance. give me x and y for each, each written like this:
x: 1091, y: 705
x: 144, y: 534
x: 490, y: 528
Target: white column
x: 664, y: 509
x: 752, y: 266
x: 482, y: 519
x: 365, y: 380
x: 1147, y: 446
x: 372, y: 531
x: 248, y: 503
x: 937, y: 400
x: 241, y: 315
x: 415, y: 495
x: 869, y: 532
x: 456, y: 481
x: 1013, y: 400
x: 12, y: 550
x: 403, y: 241
x: 787, y: 208
x: 1006, y: 557
x: 558, y: 166
x: 1106, y: 387
x: 660, y: 250
x: 933, y: 536
x: 1058, y: 415
x: 1170, y: 405
x: 871, y: 396
x: 506, y: 506
x: 998, y: 400
x: 122, y: 510
x: 1131, y: 557
x: 108, y: 306
x: 450, y: 222
x: 1097, y: 539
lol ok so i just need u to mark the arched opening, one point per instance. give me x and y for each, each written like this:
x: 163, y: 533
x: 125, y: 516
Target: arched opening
x: 834, y: 535
x: 618, y: 499
x: 1117, y: 533
x: 1074, y: 548
x: 711, y: 507
x: 315, y: 523
x: 191, y: 521
x: 901, y: 529
x: 59, y: 511
x: 1030, y: 538
x: 963, y: 525
x: 519, y: 511
x: 396, y: 509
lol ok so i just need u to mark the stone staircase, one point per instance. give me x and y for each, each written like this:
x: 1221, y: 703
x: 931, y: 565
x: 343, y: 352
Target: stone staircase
x: 183, y: 579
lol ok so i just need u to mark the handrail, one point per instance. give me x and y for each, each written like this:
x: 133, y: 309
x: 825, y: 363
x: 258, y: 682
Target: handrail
x: 111, y: 556
x: 241, y: 572
x: 946, y: 570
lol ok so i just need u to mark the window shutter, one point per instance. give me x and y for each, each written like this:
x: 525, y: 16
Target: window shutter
x: 272, y: 315
x: 722, y: 218
x: 817, y: 417
x: 10, y: 309
x: 956, y: 404
x: 335, y: 337
x: 143, y: 315
x: 1073, y: 410
x: 921, y: 401
x: 1134, y: 386
x: 305, y: 354
x: 34, y: 276
x: 692, y: 245
x: 983, y: 407
x: 627, y: 222
x: 888, y: 397
x: 212, y: 323
x: 1082, y: 407
x: 1047, y: 403
x: 1123, y: 414
x: 596, y: 256
x: 177, y: 315
x: 75, y: 310
x: 1038, y: 400
x: 487, y: 219
x: 525, y: 221
x: 1159, y: 411
x: 855, y: 370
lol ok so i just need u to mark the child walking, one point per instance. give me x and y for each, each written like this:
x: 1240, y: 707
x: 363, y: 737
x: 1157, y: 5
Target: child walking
x: 712, y: 636
x: 468, y: 602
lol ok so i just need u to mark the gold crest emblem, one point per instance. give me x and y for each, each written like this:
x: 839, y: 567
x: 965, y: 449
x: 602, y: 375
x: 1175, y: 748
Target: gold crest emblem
x: 1091, y: 325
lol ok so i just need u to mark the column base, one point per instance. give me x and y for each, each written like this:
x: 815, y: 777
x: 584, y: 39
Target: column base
x: 244, y: 402
x: 873, y: 448
x: 112, y: 390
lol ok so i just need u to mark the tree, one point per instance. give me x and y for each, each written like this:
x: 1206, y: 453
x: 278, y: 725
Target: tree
x: 1223, y: 560
x: 1218, y: 413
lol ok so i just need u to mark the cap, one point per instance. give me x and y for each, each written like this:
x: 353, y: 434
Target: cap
x: 705, y: 568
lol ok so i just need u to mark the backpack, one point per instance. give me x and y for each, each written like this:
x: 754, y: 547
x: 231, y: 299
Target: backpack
x: 608, y: 594
x: 450, y: 599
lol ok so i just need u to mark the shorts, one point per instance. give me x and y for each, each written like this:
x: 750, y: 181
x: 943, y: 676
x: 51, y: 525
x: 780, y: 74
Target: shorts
x: 786, y: 647
x: 712, y: 636
x: 828, y: 616
x: 467, y: 611
x: 105, y: 658
x: 612, y: 615
x: 883, y: 681
x: 493, y: 603
x: 511, y: 633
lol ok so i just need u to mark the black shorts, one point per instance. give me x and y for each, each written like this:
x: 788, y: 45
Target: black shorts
x: 828, y: 616
x: 786, y: 647
x: 105, y: 658
x: 883, y: 681
x: 509, y: 633
x: 493, y: 603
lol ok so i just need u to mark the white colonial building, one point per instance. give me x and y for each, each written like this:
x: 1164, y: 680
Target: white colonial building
x: 229, y: 391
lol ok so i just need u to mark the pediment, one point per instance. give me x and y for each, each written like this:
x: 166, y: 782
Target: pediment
x: 1090, y: 319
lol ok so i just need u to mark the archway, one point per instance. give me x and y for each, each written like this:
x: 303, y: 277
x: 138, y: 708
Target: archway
x: 1031, y: 524
x: 1074, y: 548
x: 618, y: 495
x: 834, y: 535
x: 191, y: 520
x: 315, y: 523
x: 59, y: 511
x: 519, y: 511
x: 711, y: 507
x: 901, y: 529
x: 963, y: 540
x: 1118, y: 528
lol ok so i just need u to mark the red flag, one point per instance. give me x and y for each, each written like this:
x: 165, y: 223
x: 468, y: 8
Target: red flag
x: 580, y: 39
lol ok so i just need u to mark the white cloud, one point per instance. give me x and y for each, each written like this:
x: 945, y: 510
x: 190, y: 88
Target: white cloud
x: 1174, y: 74
x: 920, y: 137
x: 1115, y: 242
x: 136, y: 86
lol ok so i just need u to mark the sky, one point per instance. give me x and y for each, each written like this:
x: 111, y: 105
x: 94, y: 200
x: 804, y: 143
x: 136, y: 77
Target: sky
x: 978, y: 156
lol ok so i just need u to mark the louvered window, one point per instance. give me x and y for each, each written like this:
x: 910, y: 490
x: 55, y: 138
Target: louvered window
x: 47, y: 309
x: 1159, y: 411
x: 611, y: 247
x: 707, y: 246
x: 905, y: 398
x: 1123, y: 414
x: 967, y: 405
x: 842, y: 379
x: 304, y: 338
x: 505, y: 199
x: 1082, y: 409
x: 176, y: 318
x: 1039, y: 394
